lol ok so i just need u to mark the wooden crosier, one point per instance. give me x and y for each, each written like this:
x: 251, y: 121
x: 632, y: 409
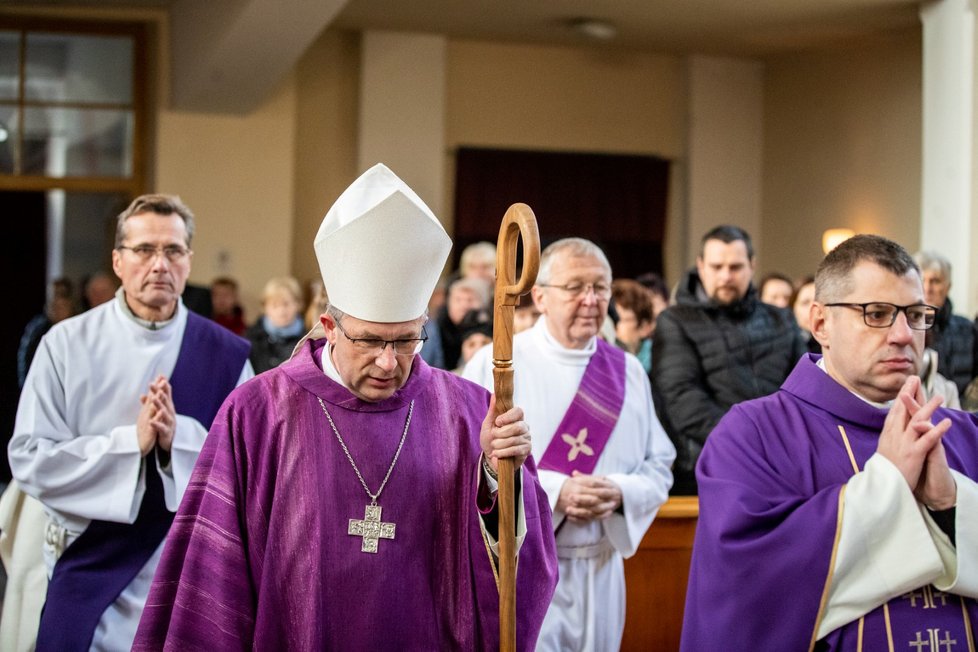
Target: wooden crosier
x: 518, y: 221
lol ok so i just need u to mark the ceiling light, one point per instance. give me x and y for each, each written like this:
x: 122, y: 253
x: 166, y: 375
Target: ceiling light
x: 594, y: 28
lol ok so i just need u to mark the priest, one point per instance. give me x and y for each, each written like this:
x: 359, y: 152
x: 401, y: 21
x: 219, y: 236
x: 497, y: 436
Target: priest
x: 838, y: 513
x: 116, y: 406
x: 346, y: 499
x: 603, y: 457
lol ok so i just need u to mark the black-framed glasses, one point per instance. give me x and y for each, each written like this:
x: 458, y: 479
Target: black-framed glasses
x: 879, y: 314
x: 575, y: 290
x: 145, y: 253
x: 375, y: 346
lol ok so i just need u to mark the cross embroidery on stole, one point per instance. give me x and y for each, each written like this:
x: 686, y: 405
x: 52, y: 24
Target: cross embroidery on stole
x: 577, y: 445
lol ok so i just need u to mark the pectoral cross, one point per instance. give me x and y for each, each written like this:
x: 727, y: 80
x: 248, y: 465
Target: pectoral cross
x: 371, y: 528
x: 577, y: 445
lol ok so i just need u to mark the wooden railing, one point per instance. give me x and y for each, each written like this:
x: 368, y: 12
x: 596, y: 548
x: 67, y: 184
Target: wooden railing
x: 655, y: 579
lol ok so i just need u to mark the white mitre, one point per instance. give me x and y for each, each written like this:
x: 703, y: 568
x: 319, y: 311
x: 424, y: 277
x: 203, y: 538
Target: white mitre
x: 380, y: 249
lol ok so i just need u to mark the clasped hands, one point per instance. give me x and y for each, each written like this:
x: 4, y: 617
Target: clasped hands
x: 157, y: 420
x: 915, y: 446
x: 586, y: 497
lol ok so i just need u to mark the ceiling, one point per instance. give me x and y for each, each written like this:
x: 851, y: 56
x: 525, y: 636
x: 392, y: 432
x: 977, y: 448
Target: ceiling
x: 233, y: 52
x: 721, y: 27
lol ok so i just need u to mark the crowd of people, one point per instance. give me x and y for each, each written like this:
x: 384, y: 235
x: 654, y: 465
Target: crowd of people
x: 191, y: 482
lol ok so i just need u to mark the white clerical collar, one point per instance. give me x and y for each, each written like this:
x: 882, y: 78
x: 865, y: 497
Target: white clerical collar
x: 328, y: 367
x: 883, y: 406
x: 120, y: 296
x: 551, y: 341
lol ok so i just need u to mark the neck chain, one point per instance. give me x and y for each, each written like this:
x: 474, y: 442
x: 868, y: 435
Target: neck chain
x: 376, y: 496
x: 371, y: 529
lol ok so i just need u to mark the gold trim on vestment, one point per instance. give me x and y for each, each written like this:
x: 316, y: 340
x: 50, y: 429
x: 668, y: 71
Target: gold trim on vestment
x: 889, y: 630
x: 852, y: 458
x: 967, y: 625
x: 859, y: 640
x: 828, y: 580
x: 492, y: 561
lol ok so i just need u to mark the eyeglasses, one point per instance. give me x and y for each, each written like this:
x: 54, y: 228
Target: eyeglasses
x: 574, y: 290
x: 145, y: 253
x: 375, y: 346
x: 878, y: 314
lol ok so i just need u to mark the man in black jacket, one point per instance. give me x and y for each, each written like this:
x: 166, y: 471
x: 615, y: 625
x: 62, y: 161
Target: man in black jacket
x: 717, y: 346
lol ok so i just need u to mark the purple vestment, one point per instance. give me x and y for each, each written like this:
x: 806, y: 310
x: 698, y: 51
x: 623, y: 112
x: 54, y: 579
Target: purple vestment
x: 259, y: 556
x: 770, y: 477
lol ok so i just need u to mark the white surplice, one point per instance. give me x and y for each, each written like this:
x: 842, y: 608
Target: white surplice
x: 588, y: 609
x: 75, y: 447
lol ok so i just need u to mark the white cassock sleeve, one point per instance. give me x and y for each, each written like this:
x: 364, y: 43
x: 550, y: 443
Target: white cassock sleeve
x: 645, y: 488
x: 889, y: 545
x: 91, y: 475
x: 493, y: 487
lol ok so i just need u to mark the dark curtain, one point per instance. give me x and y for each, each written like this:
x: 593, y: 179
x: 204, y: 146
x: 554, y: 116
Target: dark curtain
x: 618, y: 201
x: 23, y: 265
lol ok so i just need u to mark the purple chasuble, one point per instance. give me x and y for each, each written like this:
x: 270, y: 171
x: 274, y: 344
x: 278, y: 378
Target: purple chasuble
x: 586, y: 427
x: 260, y: 555
x: 103, y: 560
x: 770, y: 479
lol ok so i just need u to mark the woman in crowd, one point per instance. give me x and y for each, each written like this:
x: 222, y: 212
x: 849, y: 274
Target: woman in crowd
x: 280, y: 327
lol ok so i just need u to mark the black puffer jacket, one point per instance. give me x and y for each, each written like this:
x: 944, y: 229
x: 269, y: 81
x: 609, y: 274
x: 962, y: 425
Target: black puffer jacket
x: 706, y: 357
x: 953, y: 337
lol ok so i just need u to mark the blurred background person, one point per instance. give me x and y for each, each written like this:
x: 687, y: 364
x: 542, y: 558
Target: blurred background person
x: 227, y: 308
x: 661, y: 297
x: 776, y: 290
x: 274, y: 335
x: 633, y: 330
x: 476, y: 330
x: 525, y: 315
x: 58, y: 307
x: 478, y: 260
x: 952, y: 336
x: 318, y: 300
x: 433, y: 353
x: 464, y: 295
x: 97, y: 288
x: 801, y: 305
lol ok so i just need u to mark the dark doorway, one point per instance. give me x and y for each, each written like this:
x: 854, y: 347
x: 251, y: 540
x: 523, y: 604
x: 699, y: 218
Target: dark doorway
x: 23, y: 265
x: 617, y: 201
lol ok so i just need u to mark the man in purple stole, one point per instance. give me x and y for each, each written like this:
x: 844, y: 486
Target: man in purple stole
x: 114, y: 411
x: 838, y: 513
x: 346, y: 499
x: 602, y: 456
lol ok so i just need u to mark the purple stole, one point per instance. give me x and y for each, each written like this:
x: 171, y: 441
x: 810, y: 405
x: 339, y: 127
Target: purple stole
x: 586, y: 427
x: 104, y: 559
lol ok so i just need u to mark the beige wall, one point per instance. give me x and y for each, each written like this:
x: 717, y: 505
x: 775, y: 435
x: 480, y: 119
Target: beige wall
x: 327, y: 79
x: 569, y: 99
x: 726, y: 98
x: 236, y: 174
x: 842, y: 147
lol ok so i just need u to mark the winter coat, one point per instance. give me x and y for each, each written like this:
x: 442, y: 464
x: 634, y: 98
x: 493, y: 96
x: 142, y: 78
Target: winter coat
x: 708, y: 356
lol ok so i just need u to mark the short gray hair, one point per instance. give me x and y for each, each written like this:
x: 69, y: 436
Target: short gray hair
x: 572, y: 247
x: 477, y: 251
x: 931, y: 260
x: 337, y: 314
x: 159, y: 204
